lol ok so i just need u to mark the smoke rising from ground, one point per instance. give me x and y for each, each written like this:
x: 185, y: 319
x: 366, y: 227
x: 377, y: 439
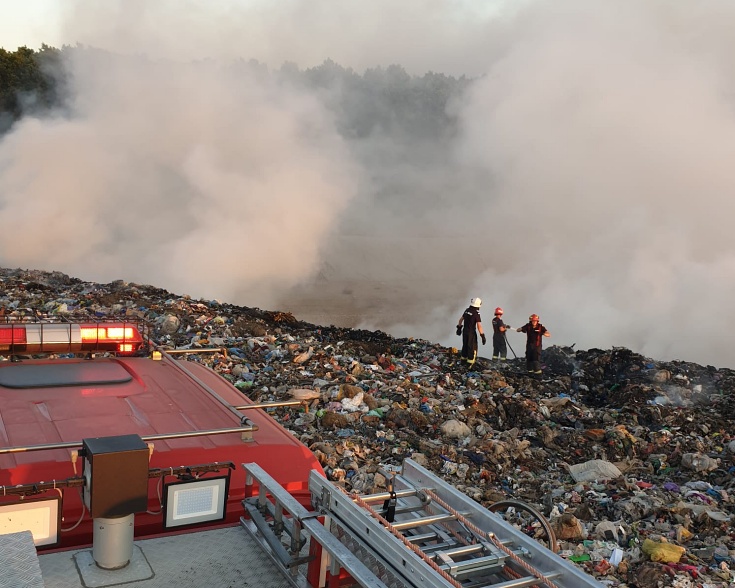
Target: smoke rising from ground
x: 609, y: 129
x: 587, y: 178
x: 199, y: 178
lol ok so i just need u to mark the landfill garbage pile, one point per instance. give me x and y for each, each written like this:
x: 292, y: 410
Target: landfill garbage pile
x: 630, y: 459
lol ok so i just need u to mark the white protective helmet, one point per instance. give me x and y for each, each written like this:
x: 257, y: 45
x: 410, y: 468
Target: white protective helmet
x: 476, y: 302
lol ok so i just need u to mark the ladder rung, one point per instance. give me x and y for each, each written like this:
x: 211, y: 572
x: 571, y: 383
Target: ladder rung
x: 381, y: 496
x: 461, y: 550
x: 402, y: 510
x: 438, y: 548
x: 524, y: 582
x: 473, y: 566
x: 423, y: 521
x: 422, y: 537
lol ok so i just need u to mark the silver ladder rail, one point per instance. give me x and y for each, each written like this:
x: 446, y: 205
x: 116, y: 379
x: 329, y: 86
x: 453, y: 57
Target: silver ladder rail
x: 422, y: 533
x: 439, y: 537
x: 274, y: 512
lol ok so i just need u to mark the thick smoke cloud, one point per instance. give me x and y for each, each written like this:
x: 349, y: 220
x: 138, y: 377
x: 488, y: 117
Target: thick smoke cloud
x: 420, y: 35
x: 609, y: 129
x: 588, y: 178
x: 195, y: 177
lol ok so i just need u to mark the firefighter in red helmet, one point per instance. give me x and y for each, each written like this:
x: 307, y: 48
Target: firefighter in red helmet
x: 534, y: 332
x: 500, y: 348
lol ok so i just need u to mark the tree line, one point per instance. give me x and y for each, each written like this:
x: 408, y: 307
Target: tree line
x: 381, y: 98
x: 29, y: 82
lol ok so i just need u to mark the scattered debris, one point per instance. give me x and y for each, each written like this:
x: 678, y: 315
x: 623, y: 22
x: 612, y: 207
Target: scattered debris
x: 631, y: 459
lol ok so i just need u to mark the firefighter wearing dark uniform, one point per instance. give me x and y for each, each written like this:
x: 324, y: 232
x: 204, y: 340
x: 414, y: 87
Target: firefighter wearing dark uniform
x: 500, y: 348
x: 470, y: 319
x: 534, y: 331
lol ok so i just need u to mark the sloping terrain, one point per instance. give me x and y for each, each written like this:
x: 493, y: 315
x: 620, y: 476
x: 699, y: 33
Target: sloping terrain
x: 630, y: 458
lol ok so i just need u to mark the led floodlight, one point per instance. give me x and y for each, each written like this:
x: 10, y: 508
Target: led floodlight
x: 41, y: 517
x: 196, y: 501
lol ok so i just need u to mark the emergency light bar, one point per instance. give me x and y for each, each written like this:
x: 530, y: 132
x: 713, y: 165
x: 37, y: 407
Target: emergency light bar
x: 120, y: 338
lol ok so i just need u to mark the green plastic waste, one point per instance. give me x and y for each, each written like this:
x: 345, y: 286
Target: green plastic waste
x: 578, y: 558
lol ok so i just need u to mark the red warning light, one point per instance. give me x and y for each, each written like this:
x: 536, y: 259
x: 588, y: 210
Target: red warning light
x: 121, y: 338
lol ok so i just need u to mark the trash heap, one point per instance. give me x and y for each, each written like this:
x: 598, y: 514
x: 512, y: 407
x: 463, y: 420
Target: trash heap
x: 630, y: 459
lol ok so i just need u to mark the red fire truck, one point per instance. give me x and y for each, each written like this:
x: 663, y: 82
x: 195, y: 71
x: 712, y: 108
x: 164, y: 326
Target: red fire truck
x: 98, y: 405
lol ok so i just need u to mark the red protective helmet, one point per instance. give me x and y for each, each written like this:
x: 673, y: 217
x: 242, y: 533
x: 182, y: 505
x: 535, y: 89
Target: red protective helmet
x: 533, y: 317
x: 498, y: 310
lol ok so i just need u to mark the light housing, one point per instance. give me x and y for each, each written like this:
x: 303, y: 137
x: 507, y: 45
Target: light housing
x: 191, y: 502
x: 118, y: 337
x: 42, y: 517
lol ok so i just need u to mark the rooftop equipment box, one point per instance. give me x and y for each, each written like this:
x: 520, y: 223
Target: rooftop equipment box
x: 116, y: 475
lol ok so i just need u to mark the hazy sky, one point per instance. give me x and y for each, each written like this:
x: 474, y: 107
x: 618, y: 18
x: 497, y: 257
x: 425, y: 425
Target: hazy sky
x: 422, y: 33
x: 30, y: 23
x: 607, y: 128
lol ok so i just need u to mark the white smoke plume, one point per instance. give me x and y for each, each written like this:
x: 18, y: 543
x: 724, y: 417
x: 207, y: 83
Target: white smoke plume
x: 589, y: 181
x: 420, y: 35
x: 196, y: 177
x: 609, y: 128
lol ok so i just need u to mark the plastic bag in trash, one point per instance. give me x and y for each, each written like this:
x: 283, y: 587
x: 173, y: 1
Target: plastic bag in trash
x: 663, y: 552
x: 594, y: 469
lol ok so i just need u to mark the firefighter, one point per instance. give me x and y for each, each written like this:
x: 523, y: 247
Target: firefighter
x: 500, y: 348
x: 470, y: 319
x: 534, y: 331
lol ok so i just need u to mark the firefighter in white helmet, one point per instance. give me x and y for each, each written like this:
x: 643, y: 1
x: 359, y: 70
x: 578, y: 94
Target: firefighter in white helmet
x: 470, y: 320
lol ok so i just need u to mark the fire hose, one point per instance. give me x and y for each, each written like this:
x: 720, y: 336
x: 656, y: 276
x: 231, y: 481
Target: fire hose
x: 508, y: 344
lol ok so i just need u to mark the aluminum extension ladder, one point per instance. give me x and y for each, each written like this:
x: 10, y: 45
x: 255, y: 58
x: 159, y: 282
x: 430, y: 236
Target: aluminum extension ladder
x: 422, y: 533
